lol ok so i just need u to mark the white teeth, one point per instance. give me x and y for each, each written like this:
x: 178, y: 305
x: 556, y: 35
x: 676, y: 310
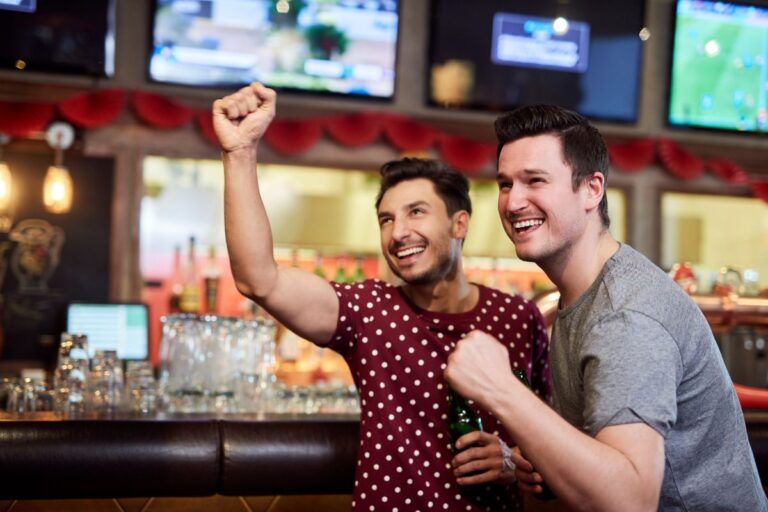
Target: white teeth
x: 527, y: 223
x: 409, y: 251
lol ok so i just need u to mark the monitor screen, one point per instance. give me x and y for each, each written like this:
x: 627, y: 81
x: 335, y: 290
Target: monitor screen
x: 582, y: 55
x: 121, y: 327
x: 719, y: 73
x: 334, y: 46
x: 54, y: 36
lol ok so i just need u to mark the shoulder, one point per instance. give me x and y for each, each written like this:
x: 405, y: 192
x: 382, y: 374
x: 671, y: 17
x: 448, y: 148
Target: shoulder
x: 370, y: 291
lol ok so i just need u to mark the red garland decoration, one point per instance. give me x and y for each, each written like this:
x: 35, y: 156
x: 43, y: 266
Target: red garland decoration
x: 355, y: 130
x: 632, y: 156
x: 93, y: 109
x: 408, y: 135
x: 760, y: 190
x: 466, y: 155
x: 160, y: 112
x: 204, y: 122
x: 293, y: 137
x: 22, y: 119
x: 727, y: 171
x: 678, y: 161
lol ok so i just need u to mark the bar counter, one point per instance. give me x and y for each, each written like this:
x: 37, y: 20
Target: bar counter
x: 43, y: 457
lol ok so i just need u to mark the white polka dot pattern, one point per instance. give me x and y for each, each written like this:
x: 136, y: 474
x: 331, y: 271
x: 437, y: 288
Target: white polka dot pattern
x: 404, y: 454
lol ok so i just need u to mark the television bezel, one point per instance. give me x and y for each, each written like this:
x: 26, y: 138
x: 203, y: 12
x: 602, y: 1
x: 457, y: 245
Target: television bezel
x: 108, y: 70
x: 670, y: 64
x: 477, y: 107
x: 290, y: 90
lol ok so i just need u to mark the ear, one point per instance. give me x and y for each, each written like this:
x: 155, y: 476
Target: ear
x: 460, y: 226
x: 594, y: 188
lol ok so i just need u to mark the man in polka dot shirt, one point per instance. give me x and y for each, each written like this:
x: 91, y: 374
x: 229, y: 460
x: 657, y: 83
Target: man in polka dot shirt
x: 396, y: 340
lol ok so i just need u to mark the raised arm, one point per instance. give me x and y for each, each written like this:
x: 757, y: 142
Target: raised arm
x: 303, y: 302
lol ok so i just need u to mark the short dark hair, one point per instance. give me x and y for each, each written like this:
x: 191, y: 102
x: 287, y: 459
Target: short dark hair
x: 584, y: 149
x: 450, y: 184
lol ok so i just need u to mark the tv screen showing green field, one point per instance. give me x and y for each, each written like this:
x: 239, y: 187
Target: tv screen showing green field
x: 719, y: 71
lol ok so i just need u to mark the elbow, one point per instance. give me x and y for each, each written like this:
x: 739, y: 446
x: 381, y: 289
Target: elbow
x: 255, y: 286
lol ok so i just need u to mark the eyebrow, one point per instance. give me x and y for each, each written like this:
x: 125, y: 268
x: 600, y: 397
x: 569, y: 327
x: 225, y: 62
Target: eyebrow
x: 529, y: 172
x: 407, y: 207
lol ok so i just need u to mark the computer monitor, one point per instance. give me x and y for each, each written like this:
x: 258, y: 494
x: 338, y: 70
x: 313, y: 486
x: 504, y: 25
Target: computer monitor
x: 122, y: 327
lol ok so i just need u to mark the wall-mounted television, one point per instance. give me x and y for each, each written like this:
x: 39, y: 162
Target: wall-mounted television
x: 719, y: 66
x: 497, y: 55
x: 55, y: 36
x: 346, y: 47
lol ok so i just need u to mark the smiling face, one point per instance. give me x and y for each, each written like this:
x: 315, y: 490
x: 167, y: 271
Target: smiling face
x: 540, y: 211
x: 420, y: 241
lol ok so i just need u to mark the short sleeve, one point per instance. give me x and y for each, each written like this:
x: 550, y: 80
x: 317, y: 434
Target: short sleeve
x: 631, y: 368
x: 343, y: 338
x: 540, y: 378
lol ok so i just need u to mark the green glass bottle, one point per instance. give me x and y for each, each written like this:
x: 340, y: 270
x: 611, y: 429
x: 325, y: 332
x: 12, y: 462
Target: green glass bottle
x: 461, y: 418
x: 546, y: 493
x: 341, y: 270
x: 358, y: 276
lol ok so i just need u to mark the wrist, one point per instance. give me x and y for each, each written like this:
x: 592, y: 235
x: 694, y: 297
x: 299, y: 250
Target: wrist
x: 505, y: 387
x: 240, y: 154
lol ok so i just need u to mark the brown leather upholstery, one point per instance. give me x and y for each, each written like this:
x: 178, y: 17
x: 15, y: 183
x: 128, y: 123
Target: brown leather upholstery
x: 67, y: 459
x: 288, y: 457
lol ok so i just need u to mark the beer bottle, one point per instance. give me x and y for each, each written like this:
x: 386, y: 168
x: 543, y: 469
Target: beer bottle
x: 359, y: 275
x: 461, y: 418
x: 546, y: 493
x: 341, y: 270
x: 174, y: 299
x: 190, y: 293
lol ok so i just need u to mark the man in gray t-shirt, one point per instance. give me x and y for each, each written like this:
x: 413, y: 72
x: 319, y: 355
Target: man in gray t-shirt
x: 648, y: 417
x: 643, y: 352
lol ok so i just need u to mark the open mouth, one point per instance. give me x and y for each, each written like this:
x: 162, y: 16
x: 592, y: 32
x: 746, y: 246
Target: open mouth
x: 527, y: 225
x: 410, y: 252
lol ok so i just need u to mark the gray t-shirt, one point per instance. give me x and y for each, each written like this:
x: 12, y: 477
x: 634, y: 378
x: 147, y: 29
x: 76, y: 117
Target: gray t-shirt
x: 635, y: 348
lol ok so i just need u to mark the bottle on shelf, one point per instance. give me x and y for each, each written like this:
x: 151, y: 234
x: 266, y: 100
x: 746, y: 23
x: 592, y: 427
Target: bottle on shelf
x: 190, y: 292
x: 174, y: 299
x: 318, y: 270
x: 341, y: 272
x: 358, y: 276
x: 211, y: 278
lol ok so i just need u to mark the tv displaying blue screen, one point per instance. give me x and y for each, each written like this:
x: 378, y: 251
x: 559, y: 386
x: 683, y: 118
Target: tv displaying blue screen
x: 582, y: 55
x: 344, y: 47
x: 719, y: 73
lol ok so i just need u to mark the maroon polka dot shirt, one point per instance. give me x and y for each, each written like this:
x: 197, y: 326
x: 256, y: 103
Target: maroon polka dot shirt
x: 397, y: 353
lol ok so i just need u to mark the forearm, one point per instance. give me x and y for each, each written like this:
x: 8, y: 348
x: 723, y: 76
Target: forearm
x: 247, y: 229
x: 584, y: 472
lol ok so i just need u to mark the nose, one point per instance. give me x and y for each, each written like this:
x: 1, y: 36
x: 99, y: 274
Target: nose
x: 514, y: 200
x: 400, y: 229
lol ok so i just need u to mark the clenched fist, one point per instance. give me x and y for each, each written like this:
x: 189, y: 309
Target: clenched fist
x: 241, y: 119
x: 478, y: 367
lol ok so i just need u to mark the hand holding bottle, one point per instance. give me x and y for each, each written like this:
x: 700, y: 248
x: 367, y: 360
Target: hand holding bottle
x: 241, y: 119
x: 480, y: 459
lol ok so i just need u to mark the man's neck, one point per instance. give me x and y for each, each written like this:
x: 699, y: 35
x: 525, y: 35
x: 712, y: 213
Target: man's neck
x: 454, y: 294
x: 573, y: 273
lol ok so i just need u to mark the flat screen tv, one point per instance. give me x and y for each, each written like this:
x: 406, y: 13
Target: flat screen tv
x: 719, y: 66
x: 56, y: 36
x: 583, y: 55
x: 121, y: 327
x: 346, y: 47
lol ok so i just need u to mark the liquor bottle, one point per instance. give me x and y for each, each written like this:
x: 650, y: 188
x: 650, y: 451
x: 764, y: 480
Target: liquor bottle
x: 461, y: 418
x: 174, y: 300
x: 190, y: 292
x: 358, y: 276
x: 211, y: 278
x: 341, y: 272
x: 318, y: 271
x: 546, y: 493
